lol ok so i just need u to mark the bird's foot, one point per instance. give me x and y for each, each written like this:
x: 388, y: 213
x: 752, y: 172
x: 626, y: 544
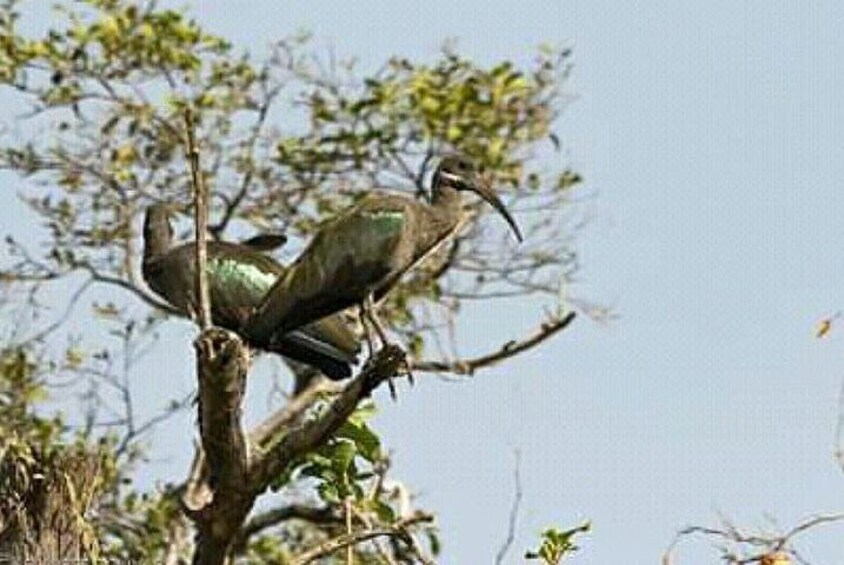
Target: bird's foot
x: 389, y: 361
x: 403, y: 370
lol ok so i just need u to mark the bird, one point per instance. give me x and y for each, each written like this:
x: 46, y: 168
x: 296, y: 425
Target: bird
x: 363, y: 252
x: 239, y: 274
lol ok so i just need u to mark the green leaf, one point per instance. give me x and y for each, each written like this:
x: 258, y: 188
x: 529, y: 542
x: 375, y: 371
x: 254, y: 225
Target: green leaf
x: 329, y: 493
x: 365, y: 440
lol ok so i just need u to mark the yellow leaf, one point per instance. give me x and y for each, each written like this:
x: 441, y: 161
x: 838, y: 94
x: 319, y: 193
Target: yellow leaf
x: 110, y: 27
x: 825, y: 325
x: 778, y: 558
x: 823, y: 328
x: 125, y: 154
x: 74, y: 357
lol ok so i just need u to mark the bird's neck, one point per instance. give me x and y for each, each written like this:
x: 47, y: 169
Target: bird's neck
x: 157, y: 242
x: 448, y: 202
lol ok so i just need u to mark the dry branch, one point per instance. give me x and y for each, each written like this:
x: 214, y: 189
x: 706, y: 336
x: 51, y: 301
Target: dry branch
x: 286, y: 417
x: 276, y: 516
x: 743, y: 548
x: 203, y: 308
x: 509, y: 349
x: 514, y: 512
x: 397, y: 530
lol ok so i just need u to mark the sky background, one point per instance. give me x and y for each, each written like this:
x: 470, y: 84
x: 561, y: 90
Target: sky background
x: 712, y: 134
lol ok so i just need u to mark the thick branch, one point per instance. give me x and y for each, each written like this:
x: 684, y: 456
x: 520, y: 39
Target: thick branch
x: 285, y: 417
x: 397, y: 530
x: 222, y: 364
x: 315, y: 432
x: 509, y: 349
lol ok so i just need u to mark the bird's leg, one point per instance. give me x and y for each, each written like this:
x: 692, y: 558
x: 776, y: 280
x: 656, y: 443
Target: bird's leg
x: 368, y: 312
x: 369, y: 308
x: 367, y: 333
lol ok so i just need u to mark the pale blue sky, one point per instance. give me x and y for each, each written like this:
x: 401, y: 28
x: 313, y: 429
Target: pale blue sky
x: 713, y: 135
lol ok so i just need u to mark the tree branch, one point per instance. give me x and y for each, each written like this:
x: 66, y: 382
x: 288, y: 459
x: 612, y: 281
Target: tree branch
x: 509, y: 349
x: 315, y: 432
x: 203, y: 313
x: 222, y: 365
x: 514, y: 513
x: 765, y: 546
x: 397, y: 530
x: 276, y: 516
x: 285, y: 417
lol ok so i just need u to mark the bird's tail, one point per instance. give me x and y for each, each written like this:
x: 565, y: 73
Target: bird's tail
x: 302, y: 345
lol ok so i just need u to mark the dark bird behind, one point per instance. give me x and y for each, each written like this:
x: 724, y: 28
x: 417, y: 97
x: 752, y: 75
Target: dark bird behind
x: 239, y: 276
x: 357, y: 257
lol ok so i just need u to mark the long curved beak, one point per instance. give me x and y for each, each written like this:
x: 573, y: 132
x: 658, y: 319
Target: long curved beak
x: 483, y: 190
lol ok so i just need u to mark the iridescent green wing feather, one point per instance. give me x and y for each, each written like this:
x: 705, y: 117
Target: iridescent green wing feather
x: 345, y: 261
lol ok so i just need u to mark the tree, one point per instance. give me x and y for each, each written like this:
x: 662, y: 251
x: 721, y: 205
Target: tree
x: 110, y: 85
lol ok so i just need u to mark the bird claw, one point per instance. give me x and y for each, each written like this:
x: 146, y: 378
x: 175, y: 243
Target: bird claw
x: 392, y: 386
x: 404, y: 370
x: 390, y: 360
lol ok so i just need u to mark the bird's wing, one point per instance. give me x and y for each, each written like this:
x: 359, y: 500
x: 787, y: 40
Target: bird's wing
x: 345, y: 261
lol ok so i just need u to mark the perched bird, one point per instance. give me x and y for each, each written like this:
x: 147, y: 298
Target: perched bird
x: 361, y: 254
x: 239, y: 276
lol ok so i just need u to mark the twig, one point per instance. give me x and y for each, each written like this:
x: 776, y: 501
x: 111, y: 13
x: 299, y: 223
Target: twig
x: 839, y: 429
x: 98, y: 277
x: 232, y: 204
x: 71, y: 305
x: 350, y: 549
x: 276, y: 516
x: 203, y: 307
x: 767, y: 544
x: 514, y: 512
x: 397, y: 530
x: 509, y: 349
x: 270, y: 518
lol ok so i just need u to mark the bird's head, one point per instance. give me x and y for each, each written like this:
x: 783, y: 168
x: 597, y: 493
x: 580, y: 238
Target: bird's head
x: 460, y: 173
x: 158, y: 233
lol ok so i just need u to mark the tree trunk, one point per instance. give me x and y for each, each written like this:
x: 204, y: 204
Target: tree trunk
x: 43, y: 501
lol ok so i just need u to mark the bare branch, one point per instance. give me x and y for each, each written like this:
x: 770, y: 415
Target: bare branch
x: 509, y: 349
x: 232, y: 205
x: 99, y: 277
x: 397, y: 530
x: 839, y: 429
x: 743, y: 548
x: 71, y: 305
x: 514, y: 512
x: 276, y: 516
x: 203, y: 313
x: 284, y: 418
